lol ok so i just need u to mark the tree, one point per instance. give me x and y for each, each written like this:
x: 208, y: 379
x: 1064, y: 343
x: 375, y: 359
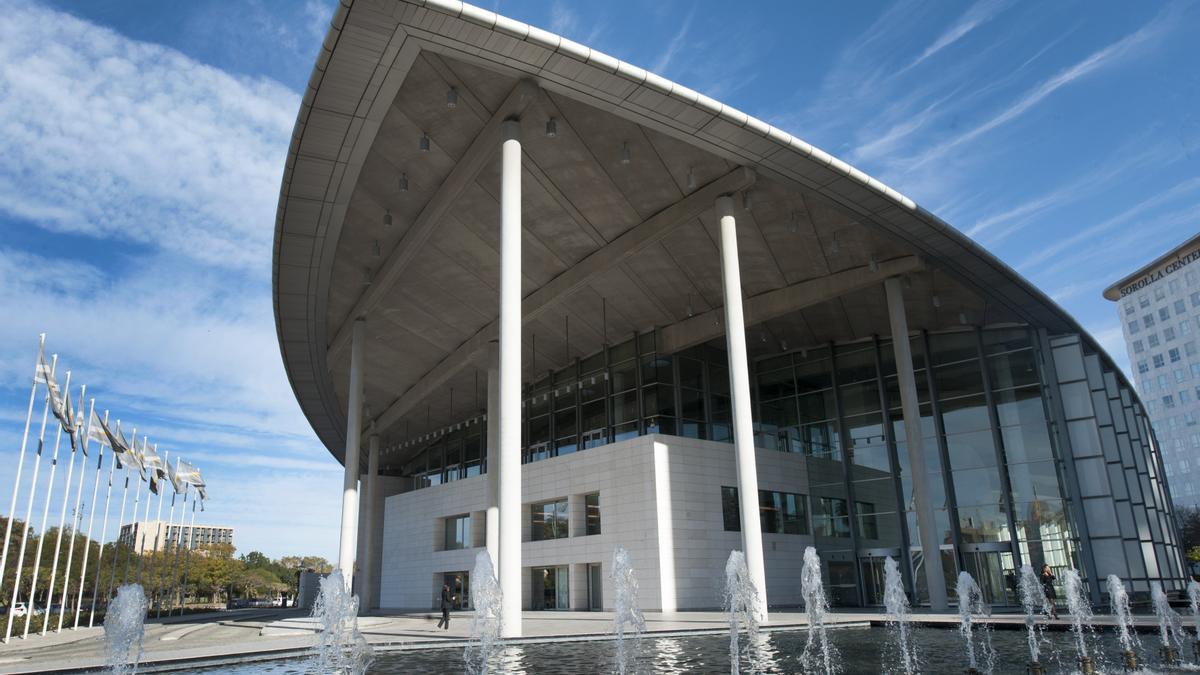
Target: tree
x: 258, y: 583
x: 1187, y: 518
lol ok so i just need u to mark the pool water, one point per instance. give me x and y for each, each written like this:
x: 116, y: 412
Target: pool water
x: 862, y: 651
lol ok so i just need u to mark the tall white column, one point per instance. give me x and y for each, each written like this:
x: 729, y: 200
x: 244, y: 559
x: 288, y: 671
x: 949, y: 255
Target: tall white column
x: 349, y: 538
x: 492, y: 523
x: 910, y: 406
x: 739, y: 390
x: 366, y: 588
x: 510, y: 379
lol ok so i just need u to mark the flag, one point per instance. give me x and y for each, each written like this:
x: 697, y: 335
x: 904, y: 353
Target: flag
x: 66, y: 418
x: 189, y: 474
x: 43, y: 373
x: 155, y: 465
x: 176, y: 481
x: 98, y: 431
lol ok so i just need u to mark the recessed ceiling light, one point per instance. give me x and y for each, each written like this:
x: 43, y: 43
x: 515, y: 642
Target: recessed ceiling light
x: 551, y: 128
x: 625, y: 156
x: 452, y: 98
x: 424, y: 142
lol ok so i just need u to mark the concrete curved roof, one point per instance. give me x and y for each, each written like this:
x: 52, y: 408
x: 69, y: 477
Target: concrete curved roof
x: 618, y: 218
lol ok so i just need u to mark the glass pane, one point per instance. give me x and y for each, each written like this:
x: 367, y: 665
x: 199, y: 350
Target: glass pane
x: 981, y: 523
x: 977, y: 487
x: 971, y: 450
x: 1033, y: 481
x: 776, y: 384
x: 959, y: 379
x: 624, y: 376
x: 730, y: 510
x: 953, y: 347
x: 860, y: 398
x: 592, y: 505
x: 965, y: 414
x: 1013, y: 370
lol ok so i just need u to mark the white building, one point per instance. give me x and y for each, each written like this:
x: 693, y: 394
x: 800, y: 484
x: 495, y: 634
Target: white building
x: 159, y: 535
x: 542, y: 303
x: 1159, y: 306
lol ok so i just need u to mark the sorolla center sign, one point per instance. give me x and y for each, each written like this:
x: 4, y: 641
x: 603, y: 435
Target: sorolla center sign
x: 1158, y: 270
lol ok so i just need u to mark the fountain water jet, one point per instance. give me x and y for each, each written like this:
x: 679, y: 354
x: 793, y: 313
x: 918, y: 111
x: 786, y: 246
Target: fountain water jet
x: 970, y: 603
x: 340, y: 648
x: 627, y: 615
x: 741, y: 600
x: 819, y: 655
x: 1193, y: 592
x: 124, y: 628
x: 896, y: 603
x: 1170, y: 626
x: 1033, y: 600
x: 486, y: 623
x: 1118, y: 602
x: 1081, y: 617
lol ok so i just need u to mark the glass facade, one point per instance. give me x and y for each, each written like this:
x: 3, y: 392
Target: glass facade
x: 1035, y: 452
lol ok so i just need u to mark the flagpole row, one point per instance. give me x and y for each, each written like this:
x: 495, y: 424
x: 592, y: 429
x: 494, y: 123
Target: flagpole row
x: 37, y: 558
x: 75, y: 517
x: 12, y: 506
x: 29, y: 506
x: 92, y: 521
x: 62, y: 514
x: 137, y: 499
x: 137, y: 528
x: 159, y: 596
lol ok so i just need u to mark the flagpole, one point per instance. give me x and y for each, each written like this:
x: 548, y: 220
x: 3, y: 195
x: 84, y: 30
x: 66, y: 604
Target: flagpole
x: 146, y: 511
x: 112, y: 579
x: 178, y: 542
x: 75, y: 516
x: 12, y: 506
x: 37, y: 558
x: 157, y: 522
x: 162, y: 576
x: 29, y: 506
x: 87, y: 549
x: 137, y: 499
x: 62, y: 515
x: 187, y: 558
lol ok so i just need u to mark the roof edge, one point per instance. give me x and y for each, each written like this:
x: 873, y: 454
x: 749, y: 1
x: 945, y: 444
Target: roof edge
x: 1131, y: 282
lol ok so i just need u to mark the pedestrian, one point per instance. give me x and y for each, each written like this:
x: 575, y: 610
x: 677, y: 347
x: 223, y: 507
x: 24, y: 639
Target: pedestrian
x: 1048, y: 590
x: 447, y: 600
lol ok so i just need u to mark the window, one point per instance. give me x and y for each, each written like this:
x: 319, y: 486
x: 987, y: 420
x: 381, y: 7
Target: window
x: 1138, y: 347
x: 1160, y: 293
x: 1186, y: 397
x: 1168, y: 401
x: 1196, y: 370
x: 1164, y: 314
x: 1148, y: 320
x: 1185, y: 327
x: 1143, y: 301
x: 1152, y: 340
x: 830, y: 518
x: 1143, y: 367
x: 778, y: 512
x: 1179, y: 307
x: 1129, y: 309
x: 1169, y: 333
x: 1134, y: 327
x: 1180, y: 375
x: 548, y: 520
x: 1174, y: 354
x: 1158, y: 361
x: 1195, y: 299
x: 592, y: 517
x: 458, y: 533
x: 1173, y: 285
x: 868, y: 525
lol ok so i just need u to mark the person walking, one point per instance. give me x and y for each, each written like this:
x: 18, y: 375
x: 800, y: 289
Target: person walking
x: 1047, y: 580
x: 447, y: 601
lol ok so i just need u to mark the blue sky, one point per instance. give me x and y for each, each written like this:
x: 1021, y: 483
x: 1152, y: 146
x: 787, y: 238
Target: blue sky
x: 142, y: 145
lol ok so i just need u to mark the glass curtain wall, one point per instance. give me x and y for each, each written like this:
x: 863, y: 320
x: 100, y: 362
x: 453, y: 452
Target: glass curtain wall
x: 1031, y: 444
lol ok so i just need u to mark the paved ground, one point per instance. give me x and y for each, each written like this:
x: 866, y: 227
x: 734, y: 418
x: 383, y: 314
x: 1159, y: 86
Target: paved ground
x: 188, y: 642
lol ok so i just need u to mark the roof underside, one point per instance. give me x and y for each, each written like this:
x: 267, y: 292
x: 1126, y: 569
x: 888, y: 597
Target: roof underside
x: 431, y: 301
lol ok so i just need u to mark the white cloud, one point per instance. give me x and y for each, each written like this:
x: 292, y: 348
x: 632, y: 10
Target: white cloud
x: 115, y: 138
x: 663, y: 62
x: 975, y: 16
x: 1099, y: 59
x: 152, y: 180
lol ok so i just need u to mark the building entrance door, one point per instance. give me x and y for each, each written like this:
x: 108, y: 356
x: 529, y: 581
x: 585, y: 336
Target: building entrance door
x: 595, y: 587
x: 550, y: 587
x: 872, y: 563
x: 460, y: 588
x: 991, y: 565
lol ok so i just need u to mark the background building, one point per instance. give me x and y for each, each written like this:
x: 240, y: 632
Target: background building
x: 566, y: 305
x: 158, y: 535
x: 1159, y: 306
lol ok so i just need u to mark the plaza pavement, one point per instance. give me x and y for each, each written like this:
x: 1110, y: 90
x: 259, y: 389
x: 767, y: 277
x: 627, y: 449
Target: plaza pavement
x: 186, y: 643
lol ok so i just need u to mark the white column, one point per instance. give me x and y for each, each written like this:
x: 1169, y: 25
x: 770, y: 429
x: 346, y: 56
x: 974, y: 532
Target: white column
x: 366, y: 590
x: 510, y: 379
x: 492, y: 523
x: 349, y: 538
x: 739, y: 390
x: 910, y: 407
